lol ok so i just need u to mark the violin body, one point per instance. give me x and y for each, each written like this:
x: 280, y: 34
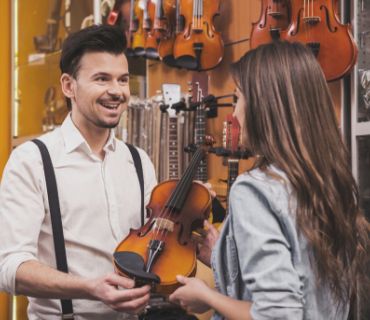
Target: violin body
x: 315, y: 23
x: 166, y: 25
x: 179, y: 253
x: 151, y: 35
x: 137, y: 31
x: 199, y: 46
x: 274, y: 17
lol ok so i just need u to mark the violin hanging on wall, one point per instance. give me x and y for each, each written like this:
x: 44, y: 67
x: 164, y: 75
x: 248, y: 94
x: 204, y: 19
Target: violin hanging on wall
x: 316, y: 24
x: 134, y: 32
x: 275, y: 17
x: 199, y: 46
x: 166, y: 22
x: 151, y: 36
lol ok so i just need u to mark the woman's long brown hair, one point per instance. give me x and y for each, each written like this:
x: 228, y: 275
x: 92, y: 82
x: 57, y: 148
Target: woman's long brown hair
x: 290, y: 122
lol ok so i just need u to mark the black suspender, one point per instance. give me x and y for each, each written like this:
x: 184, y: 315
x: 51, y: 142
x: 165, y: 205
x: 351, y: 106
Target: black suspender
x: 139, y: 170
x: 56, y: 220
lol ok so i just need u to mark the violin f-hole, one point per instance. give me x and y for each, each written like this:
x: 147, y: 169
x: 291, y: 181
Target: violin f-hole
x: 328, y: 23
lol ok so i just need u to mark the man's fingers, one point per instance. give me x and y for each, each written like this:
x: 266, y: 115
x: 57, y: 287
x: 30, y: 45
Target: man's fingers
x: 131, y: 294
x: 134, y: 306
x: 120, y: 281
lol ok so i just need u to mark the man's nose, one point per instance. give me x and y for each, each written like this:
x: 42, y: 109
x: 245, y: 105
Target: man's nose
x: 115, y: 89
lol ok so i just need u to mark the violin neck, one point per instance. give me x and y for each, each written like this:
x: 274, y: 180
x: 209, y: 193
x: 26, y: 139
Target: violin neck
x: 182, y: 189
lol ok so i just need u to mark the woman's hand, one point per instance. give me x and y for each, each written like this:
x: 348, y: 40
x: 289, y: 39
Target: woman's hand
x: 193, y: 295
x: 206, y: 242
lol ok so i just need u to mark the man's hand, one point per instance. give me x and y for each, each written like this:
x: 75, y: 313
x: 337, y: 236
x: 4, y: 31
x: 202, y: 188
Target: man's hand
x: 119, y: 293
x: 206, y: 242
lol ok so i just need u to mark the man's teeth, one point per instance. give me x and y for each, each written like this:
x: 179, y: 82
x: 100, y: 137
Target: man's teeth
x: 110, y: 105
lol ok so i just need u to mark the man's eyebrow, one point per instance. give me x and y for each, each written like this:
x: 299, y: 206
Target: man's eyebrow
x: 108, y: 74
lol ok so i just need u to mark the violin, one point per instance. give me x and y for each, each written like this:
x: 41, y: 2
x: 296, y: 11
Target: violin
x: 199, y: 46
x: 316, y: 24
x: 136, y: 32
x: 150, y: 255
x: 166, y: 24
x: 274, y: 17
x: 151, y: 36
x: 117, y: 17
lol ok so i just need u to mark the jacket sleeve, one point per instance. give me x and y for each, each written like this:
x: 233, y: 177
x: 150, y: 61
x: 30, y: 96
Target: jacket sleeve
x: 264, y: 256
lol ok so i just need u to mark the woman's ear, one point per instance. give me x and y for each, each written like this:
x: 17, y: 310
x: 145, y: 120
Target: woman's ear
x: 67, y: 85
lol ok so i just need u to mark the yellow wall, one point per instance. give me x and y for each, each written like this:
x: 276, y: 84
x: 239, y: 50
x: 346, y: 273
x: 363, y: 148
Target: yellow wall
x: 4, y: 83
x: 4, y: 110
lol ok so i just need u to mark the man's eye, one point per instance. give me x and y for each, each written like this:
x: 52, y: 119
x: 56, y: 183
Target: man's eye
x: 101, y: 79
x: 124, y: 80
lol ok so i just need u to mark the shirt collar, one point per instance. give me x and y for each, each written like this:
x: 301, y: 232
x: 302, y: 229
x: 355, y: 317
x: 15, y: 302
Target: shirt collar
x: 74, y: 139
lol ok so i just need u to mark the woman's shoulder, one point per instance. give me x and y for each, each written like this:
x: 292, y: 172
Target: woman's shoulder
x: 269, y: 184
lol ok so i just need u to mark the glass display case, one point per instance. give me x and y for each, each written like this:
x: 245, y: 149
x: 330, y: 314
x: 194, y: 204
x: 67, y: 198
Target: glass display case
x: 38, y: 30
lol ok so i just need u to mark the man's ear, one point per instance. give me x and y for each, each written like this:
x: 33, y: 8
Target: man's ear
x: 67, y: 85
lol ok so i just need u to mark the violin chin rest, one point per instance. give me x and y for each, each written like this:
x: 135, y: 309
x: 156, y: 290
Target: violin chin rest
x: 133, y: 265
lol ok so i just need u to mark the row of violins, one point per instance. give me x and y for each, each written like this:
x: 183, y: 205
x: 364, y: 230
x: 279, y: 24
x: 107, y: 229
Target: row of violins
x: 178, y: 32
x: 181, y: 33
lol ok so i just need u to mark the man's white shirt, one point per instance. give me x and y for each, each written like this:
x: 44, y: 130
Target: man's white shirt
x: 99, y: 202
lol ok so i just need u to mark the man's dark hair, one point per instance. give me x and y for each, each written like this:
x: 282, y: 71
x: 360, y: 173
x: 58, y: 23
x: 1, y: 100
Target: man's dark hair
x: 101, y: 38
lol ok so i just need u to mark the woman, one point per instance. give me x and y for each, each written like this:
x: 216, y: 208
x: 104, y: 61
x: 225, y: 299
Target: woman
x: 294, y: 244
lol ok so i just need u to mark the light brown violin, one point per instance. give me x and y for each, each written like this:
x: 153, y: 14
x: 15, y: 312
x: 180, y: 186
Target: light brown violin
x: 162, y: 248
x: 274, y: 17
x: 199, y: 46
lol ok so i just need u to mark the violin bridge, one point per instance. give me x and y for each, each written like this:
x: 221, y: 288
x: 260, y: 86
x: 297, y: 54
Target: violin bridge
x: 164, y: 224
x: 312, y: 20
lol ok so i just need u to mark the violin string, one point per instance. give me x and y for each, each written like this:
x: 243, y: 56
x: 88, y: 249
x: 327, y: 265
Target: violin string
x: 194, y: 13
x: 178, y: 190
x: 187, y: 180
x: 162, y: 232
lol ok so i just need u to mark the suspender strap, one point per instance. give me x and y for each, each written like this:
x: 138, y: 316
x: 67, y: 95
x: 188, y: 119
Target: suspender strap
x: 56, y: 221
x: 139, y: 170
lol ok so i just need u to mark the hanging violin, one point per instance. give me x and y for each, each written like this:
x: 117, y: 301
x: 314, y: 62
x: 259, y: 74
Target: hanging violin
x: 150, y: 255
x: 166, y: 24
x: 151, y: 36
x: 116, y: 17
x: 199, y: 46
x: 274, y: 17
x: 316, y: 24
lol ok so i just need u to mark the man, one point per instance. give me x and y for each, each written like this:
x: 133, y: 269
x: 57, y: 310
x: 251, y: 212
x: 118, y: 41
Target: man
x: 99, y: 192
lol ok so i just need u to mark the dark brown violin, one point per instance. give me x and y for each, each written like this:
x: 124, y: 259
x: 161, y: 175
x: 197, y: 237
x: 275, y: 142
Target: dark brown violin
x: 117, y: 17
x: 151, y: 36
x: 275, y: 16
x: 199, y: 46
x: 162, y: 248
x: 316, y: 24
x: 165, y: 23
